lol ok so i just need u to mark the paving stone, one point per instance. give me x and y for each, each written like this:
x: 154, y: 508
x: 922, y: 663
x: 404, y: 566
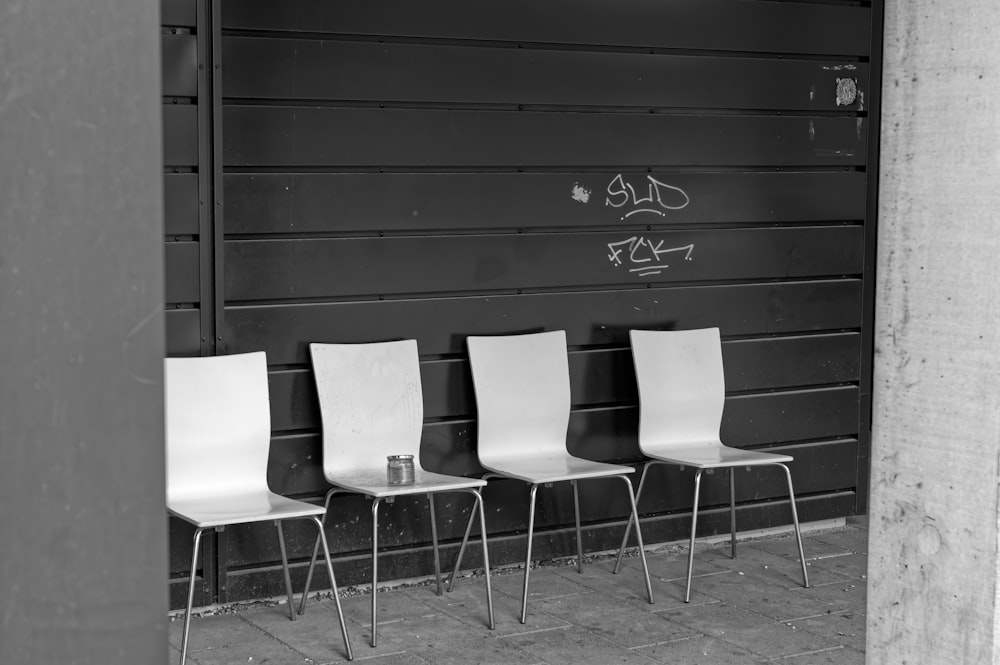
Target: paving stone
x: 392, y: 606
x: 841, y: 656
x: 220, y: 630
x: 572, y: 646
x: 258, y: 647
x: 852, y: 539
x: 760, y: 596
x: 315, y: 634
x: 845, y: 627
x: 671, y: 568
x: 443, y: 641
x: 776, y: 569
x: 629, y: 585
x: 849, y: 595
x: 543, y: 583
x: 763, y: 637
x: 701, y: 650
x: 785, y: 546
x: 852, y: 566
x: 467, y: 602
x: 625, y: 624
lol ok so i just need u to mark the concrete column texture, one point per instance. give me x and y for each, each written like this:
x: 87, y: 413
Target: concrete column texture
x: 83, y: 566
x: 933, y: 567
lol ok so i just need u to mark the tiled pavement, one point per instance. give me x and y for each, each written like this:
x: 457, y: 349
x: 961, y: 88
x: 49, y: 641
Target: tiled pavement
x: 745, y: 611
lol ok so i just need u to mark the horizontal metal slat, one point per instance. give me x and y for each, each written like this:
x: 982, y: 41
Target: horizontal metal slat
x: 440, y: 325
x: 309, y: 69
x: 306, y: 136
x: 292, y: 203
x: 327, y: 268
x: 731, y: 25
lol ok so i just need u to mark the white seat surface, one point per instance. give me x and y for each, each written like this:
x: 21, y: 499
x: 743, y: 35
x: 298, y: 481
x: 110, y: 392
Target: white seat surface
x: 373, y: 482
x: 713, y: 456
x: 210, y: 511
x: 552, y: 468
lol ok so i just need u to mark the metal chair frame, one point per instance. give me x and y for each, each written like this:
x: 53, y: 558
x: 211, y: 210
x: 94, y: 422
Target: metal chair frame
x: 523, y: 402
x: 217, y: 441
x: 354, y: 382
x: 681, y: 400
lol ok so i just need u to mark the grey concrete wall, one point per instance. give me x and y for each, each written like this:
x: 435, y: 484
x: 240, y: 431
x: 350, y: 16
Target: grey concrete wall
x: 83, y: 564
x: 936, y: 423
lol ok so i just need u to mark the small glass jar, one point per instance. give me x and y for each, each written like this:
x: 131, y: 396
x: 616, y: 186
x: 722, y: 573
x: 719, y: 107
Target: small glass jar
x: 399, y: 470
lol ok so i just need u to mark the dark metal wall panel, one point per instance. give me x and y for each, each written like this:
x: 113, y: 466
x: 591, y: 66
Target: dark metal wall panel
x: 312, y: 69
x: 589, y: 317
x: 180, y: 135
x: 725, y: 25
x: 394, y: 170
x: 294, y: 136
x: 183, y: 327
x: 180, y: 200
x: 181, y: 264
x: 322, y: 268
x: 180, y: 13
x: 265, y: 204
x: 180, y: 65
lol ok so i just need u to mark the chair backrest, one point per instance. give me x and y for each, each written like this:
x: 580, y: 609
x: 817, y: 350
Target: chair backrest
x: 682, y: 389
x: 371, y: 404
x: 218, y: 425
x: 522, y: 394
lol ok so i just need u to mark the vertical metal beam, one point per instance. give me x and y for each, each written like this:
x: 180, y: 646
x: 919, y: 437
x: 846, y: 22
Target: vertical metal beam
x: 873, y: 104
x: 218, y: 228
x: 206, y: 181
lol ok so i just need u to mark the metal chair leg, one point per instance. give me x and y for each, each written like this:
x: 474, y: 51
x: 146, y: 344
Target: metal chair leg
x: 434, y: 542
x: 579, y: 532
x: 190, y: 598
x: 638, y: 537
x: 795, y: 520
x: 284, y: 568
x: 527, y: 558
x: 694, y: 526
x: 312, y: 562
x: 732, y: 511
x: 486, y: 553
x: 461, y: 549
x: 628, y: 527
x: 375, y: 504
x: 333, y: 586
x: 465, y: 539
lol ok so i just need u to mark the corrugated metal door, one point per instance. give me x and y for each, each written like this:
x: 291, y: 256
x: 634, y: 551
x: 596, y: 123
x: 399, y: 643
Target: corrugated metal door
x: 434, y: 170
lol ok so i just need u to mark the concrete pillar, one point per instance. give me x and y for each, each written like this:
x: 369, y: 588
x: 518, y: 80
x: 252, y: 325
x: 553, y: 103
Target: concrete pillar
x: 936, y: 425
x: 83, y: 567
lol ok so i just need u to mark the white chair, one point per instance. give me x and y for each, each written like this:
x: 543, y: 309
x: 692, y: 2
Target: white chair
x: 682, y: 394
x: 372, y: 407
x: 218, y: 435
x: 523, y: 402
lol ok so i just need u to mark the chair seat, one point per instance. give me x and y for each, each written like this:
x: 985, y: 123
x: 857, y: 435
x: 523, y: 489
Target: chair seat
x: 373, y: 483
x: 552, y: 468
x: 713, y: 456
x: 221, y: 510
